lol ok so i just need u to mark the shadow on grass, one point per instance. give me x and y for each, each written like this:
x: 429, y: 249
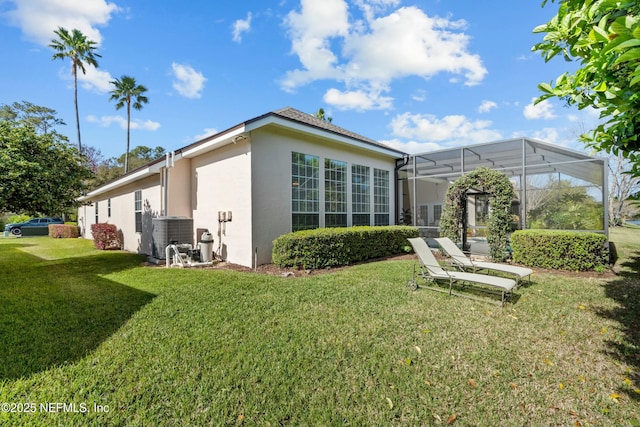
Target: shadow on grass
x: 56, y: 312
x: 625, y: 290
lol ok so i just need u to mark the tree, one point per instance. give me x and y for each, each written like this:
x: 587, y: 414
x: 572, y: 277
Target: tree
x: 42, y: 119
x: 321, y: 115
x: 81, y: 51
x: 622, y: 186
x: 604, y: 36
x: 107, y: 170
x: 125, y: 91
x: 561, y: 205
x: 40, y: 175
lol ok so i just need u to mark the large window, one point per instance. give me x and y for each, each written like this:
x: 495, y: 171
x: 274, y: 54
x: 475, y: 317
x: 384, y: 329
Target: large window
x: 360, y: 195
x: 305, y: 191
x: 381, y: 196
x: 335, y: 193
x: 138, y: 210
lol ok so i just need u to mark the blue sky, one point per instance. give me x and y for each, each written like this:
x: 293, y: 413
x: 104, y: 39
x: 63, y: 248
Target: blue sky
x: 418, y: 75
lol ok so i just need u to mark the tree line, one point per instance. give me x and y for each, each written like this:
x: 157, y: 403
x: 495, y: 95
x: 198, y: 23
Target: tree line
x: 41, y: 173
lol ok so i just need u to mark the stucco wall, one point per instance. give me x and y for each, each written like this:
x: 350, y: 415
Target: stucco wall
x: 179, y: 189
x: 221, y: 181
x: 123, y: 214
x: 271, y: 183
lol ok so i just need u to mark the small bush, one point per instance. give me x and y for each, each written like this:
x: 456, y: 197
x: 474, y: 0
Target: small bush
x: 64, y: 231
x: 105, y: 236
x: 331, y: 247
x: 560, y: 250
x: 15, y: 219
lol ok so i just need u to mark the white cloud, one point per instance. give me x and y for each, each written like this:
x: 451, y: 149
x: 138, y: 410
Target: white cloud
x: 542, y: 110
x: 420, y: 95
x: 187, y: 81
x: 413, y: 147
x: 95, y: 79
x: 449, y: 130
x: 38, y: 19
x: 357, y: 100
x: 241, y: 26
x: 373, y: 53
x: 487, y: 106
x: 206, y: 132
x: 106, y: 121
x: 548, y: 135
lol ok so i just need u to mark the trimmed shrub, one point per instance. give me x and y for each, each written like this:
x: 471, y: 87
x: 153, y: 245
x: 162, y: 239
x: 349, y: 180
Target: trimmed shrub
x: 560, y: 250
x: 105, y: 236
x: 63, y: 231
x: 332, y: 247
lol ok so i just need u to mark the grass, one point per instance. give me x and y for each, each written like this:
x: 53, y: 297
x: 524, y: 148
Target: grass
x: 124, y: 344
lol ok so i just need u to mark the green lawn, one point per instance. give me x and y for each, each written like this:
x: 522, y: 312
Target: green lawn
x: 122, y: 344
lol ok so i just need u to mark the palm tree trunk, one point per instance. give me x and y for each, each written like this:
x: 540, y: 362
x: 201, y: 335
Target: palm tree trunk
x: 126, y: 154
x: 75, y: 101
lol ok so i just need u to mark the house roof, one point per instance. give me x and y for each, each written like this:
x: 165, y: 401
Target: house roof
x: 286, y: 117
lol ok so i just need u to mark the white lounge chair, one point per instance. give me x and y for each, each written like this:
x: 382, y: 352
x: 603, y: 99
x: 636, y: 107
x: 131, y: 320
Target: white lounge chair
x: 430, y: 269
x: 464, y: 262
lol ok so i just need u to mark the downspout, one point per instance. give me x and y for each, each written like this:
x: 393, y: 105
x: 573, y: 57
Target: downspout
x: 168, y: 164
x: 405, y: 161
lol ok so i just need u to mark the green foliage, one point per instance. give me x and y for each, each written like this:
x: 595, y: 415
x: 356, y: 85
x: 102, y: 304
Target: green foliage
x: 128, y: 93
x: 331, y: 247
x: 565, y: 207
x: 107, y: 170
x: 24, y: 113
x: 501, y: 195
x: 75, y: 46
x: 15, y: 219
x: 604, y: 36
x: 105, y: 236
x: 39, y: 174
x: 64, y: 231
x: 560, y: 250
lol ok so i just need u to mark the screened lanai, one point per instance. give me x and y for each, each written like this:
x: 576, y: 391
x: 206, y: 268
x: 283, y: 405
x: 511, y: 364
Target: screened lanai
x: 556, y: 188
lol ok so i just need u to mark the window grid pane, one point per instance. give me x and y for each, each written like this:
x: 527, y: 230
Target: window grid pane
x: 381, y: 196
x: 138, y: 210
x: 335, y: 193
x: 360, y: 195
x: 305, y: 193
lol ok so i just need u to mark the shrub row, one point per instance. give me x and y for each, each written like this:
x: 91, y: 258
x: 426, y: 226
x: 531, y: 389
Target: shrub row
x: 560, y: 250
x: 332, y: 247
x: 58, y: 231
x: 105, y: 236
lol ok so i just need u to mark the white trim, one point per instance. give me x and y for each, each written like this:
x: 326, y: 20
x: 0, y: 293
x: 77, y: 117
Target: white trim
x: 219, y: 141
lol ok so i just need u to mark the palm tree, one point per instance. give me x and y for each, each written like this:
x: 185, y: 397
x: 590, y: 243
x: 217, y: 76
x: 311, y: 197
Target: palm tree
x: 125, y: 90
x: 320, y: 115
x: 81, y: 51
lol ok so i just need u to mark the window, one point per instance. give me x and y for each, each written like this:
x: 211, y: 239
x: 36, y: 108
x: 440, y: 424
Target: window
x: 138, y: 210
x: 360, y: 195
x: 97, y: 219
x: 335, y: 193
x: 305, y: 191
x: 381, y: 196
x: 108, y: 208
x: 437, y: 214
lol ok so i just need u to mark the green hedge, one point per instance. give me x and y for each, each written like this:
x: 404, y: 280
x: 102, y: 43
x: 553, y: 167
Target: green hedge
x: 560, y: 250
x: 332, y: 247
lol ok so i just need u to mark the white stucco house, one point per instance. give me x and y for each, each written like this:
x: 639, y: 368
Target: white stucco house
x: 280, y: 172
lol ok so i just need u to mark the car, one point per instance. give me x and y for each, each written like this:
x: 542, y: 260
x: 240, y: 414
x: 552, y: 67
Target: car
x: 33, y: 227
